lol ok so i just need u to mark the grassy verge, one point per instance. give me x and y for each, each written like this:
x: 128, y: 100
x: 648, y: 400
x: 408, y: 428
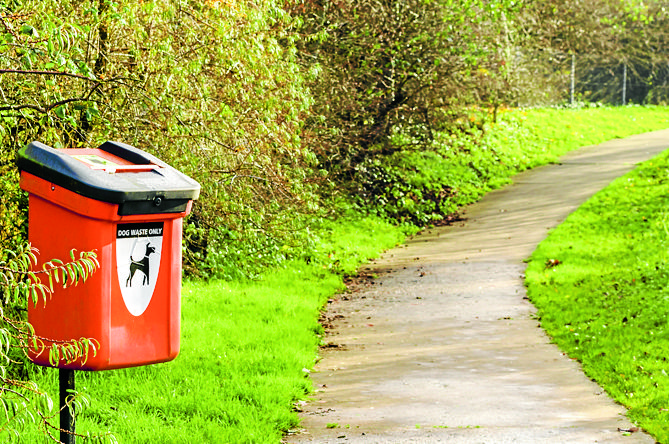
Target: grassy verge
x: 562, y: 130
x: 245, y: 345
x: 534, y: 137
x: 601, y: 284
x: 483, y: 155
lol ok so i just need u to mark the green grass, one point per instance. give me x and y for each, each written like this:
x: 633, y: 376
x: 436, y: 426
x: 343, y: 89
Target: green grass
x: 601, y: 284
x: 561, y: 130
x: 245, y: 345
x: 536, y: 137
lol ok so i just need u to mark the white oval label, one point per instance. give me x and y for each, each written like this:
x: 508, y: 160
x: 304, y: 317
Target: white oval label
x: 138, y: 250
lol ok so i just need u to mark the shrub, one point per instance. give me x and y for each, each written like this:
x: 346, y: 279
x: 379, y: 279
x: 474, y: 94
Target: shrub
x: 212, y: 88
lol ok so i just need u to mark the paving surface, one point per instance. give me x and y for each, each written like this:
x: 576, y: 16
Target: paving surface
x: 443, y: 346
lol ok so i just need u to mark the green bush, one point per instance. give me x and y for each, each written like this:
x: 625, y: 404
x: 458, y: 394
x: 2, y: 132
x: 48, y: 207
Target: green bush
x: 460, y: 165
x: 214, y: 89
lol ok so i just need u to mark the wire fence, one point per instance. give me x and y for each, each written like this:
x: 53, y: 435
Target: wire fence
x: 545, y: 78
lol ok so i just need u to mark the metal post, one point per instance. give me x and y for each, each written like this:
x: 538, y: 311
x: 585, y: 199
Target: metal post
x: 66, y: 382
x: 624, y: 82
x: 573, y: 79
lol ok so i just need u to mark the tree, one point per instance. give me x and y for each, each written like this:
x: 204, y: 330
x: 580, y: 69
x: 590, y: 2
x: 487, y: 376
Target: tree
x: 394, y: 71
x: 394, y: 74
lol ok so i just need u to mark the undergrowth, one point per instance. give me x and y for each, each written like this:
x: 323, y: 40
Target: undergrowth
x: 423, y: 186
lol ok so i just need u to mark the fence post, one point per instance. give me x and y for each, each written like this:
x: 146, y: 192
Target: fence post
x: 624, y: 82
x: 573, y: 79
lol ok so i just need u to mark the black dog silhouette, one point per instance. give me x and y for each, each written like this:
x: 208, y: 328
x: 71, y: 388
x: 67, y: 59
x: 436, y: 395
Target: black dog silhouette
x: 142, y: 266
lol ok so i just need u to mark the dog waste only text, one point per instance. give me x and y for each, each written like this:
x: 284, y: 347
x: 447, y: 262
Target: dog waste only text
x: 139, y: 230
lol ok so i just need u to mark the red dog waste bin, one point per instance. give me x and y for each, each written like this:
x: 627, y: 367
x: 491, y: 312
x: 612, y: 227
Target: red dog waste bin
x: 128, y: 206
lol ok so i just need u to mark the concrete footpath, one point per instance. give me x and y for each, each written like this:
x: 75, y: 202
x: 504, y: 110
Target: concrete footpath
x: 444, y: 347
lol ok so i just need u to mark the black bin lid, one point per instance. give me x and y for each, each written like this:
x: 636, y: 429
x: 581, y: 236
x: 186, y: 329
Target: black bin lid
x: 115, y: 172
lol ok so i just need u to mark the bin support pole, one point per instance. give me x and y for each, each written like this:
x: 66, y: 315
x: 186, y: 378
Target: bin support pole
x: 66, y: 383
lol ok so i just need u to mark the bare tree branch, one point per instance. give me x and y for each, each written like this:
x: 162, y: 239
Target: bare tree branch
x: 53, y: 105
x: 47, y: 73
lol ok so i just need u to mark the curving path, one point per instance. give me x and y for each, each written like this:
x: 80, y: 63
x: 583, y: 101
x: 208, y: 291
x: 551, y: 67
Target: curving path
x: 443, y: 347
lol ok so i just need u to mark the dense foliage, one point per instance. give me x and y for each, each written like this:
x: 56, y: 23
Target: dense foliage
x: 206, y: 86
x: 393, y: 73
x: 395, y: 76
